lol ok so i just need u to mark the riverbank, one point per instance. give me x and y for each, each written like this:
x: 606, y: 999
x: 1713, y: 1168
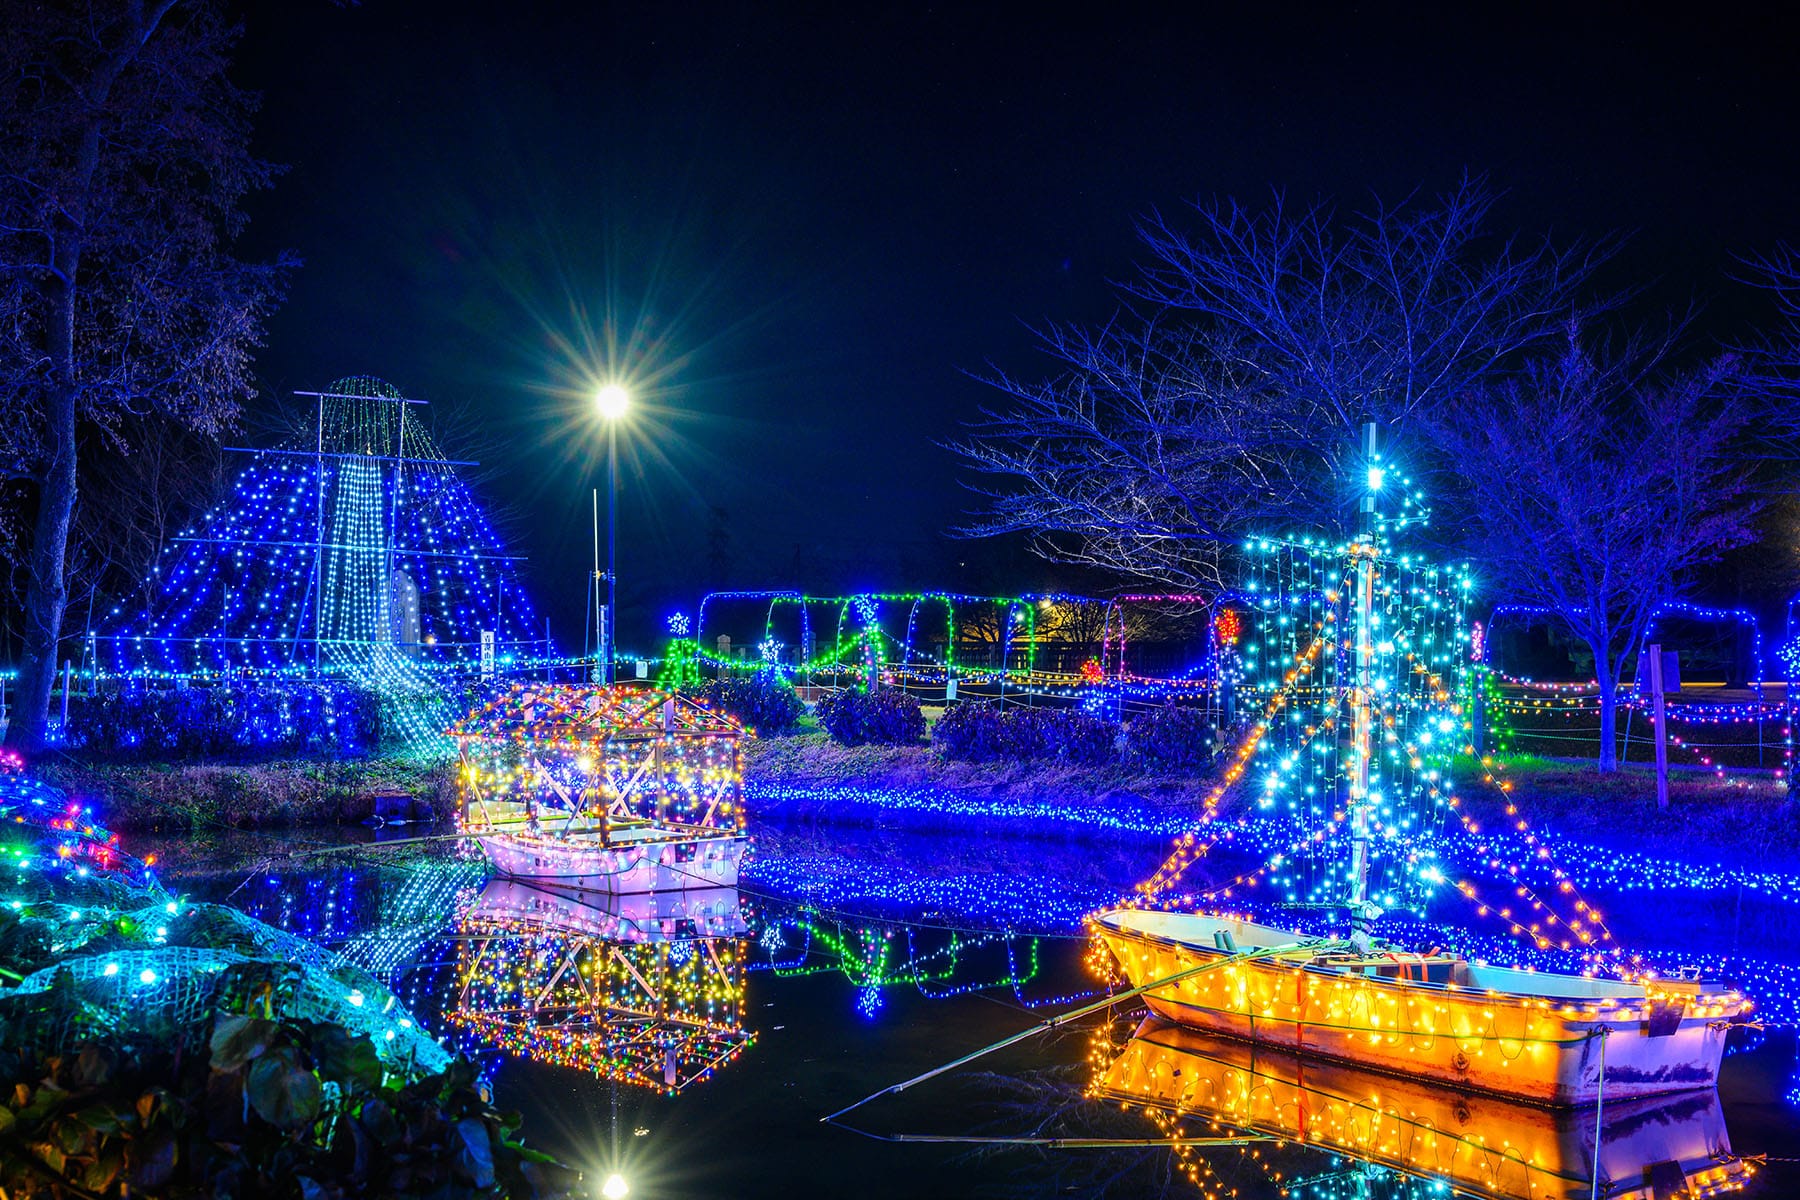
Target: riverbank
x: 282, y: 794
x: 814, y: 760
x: 1741, y: 818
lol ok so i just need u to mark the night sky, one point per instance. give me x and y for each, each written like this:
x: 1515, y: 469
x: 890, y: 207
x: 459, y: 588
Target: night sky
x: 798, y: 232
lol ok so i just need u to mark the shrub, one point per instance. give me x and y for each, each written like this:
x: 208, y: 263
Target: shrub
x: 765, y: 701
x: 265, y: 719
x: 887, y: 716
x: 1087, y: 740
x: 972, y: 732
x: 981, y: 732
x: 1172, y: 736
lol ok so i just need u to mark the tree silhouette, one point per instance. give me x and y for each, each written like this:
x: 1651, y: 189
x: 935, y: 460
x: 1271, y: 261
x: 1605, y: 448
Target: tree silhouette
x: 126, y: 154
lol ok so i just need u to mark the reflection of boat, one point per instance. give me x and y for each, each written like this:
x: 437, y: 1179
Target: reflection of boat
x: 617, y: 789
x: 647, y: 990
x: 1650, y: 1148
x: 1520, y: 1033
x: 641, y: 917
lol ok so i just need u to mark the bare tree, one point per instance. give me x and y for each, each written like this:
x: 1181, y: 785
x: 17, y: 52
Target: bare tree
x: 1600, y: 480
x: 126, y: 156
x: 1228, y: 391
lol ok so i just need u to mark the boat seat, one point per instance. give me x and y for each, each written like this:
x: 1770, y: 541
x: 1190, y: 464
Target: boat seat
x: 1416, y: 968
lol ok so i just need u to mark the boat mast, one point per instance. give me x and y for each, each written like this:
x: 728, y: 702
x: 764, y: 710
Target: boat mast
x: 1362, y: 707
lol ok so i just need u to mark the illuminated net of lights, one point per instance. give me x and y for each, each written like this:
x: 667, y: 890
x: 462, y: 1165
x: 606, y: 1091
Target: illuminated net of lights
x: 354, y: 551
x: 636, y: 754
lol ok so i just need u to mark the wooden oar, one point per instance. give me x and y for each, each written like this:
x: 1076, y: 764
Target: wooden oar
x: 1084, y: 1010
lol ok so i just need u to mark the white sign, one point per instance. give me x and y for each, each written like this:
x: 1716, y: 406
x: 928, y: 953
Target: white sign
x: 487, y: 654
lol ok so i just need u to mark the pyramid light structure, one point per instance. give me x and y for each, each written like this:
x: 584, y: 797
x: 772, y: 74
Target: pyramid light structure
x: 354, y: 550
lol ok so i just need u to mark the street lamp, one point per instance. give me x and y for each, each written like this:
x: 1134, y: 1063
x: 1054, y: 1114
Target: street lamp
x: 611, y: 400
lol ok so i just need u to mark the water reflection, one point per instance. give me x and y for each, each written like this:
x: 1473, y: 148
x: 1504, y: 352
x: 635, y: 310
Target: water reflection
x: 640, y: 989
x: 1650, y: 1148
x: 877, y: 956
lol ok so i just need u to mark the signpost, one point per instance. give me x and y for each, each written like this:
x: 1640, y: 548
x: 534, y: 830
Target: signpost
x: 1654, y: 650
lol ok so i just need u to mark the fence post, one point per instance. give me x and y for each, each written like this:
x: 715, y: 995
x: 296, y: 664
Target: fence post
x: 1478, y: 707
x: 1654, y: 650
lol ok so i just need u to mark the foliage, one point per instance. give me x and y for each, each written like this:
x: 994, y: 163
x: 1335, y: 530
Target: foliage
x: 1172, y: 737
x: 261, y: 720
x: 293, y: 1109
x: 978, y: 732
x: 1253, y: 346
x: 972, y: 732
x: 128, y: 158
x: 886, y: 716
x: 1605, y: 478
x: 764, y: 702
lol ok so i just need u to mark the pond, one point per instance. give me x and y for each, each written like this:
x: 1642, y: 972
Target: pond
x: 866, y: 949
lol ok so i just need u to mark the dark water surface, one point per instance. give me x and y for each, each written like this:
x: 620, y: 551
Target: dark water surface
x: 872, y: 951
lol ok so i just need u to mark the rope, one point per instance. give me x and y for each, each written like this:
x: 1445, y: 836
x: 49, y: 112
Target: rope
x: 1599, y: 1108
x: 1056, y: 1143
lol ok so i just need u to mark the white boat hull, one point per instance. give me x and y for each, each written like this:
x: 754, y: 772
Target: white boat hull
x: 621, y: 867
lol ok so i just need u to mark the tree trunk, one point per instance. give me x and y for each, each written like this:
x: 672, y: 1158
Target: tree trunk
x: 48, y: 594
x: 1609, y: 696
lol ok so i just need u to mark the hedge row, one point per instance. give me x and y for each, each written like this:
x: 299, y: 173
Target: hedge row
x: 262, y: 720
x: 1169, y: 737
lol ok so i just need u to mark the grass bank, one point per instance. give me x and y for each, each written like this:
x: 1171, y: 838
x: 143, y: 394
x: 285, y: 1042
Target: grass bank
x: 1743, y: 818
x: 814, y: 760
x: 177, y: 797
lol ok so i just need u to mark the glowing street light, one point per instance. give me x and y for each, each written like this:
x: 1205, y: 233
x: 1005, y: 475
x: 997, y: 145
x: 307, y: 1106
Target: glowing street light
x: 612, y: 401
x: 614, y: 1188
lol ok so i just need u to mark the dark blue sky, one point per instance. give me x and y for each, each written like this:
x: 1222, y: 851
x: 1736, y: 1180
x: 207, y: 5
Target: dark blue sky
x: 808, y: 224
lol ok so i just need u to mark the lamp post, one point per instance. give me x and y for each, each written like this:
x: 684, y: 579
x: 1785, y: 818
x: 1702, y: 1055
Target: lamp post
x: 612, y: 401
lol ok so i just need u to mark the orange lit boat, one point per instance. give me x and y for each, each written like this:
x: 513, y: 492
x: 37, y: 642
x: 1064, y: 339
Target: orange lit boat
x: 1548, y: 1038
x: 1380, y: 654
x: 1649, y: 1148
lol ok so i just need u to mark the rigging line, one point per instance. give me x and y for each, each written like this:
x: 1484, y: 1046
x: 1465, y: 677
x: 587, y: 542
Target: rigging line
x: 1173, y: 866
x: 1489, y: 764
x: 1056, y: 1143
x: 1074, y: 1014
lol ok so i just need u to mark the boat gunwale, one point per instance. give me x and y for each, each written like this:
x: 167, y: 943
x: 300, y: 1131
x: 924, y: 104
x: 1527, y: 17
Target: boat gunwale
x: 1625, y: 994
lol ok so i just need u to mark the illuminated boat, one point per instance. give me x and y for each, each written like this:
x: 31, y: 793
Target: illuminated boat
x: 1360, y: 725
x: 643, y: 990
x: 1649, y: 1148
x: 1531, y: 1034
x: 613, y: 789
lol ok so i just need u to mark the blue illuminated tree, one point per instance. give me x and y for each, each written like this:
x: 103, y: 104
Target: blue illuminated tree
x: 354, y: 550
